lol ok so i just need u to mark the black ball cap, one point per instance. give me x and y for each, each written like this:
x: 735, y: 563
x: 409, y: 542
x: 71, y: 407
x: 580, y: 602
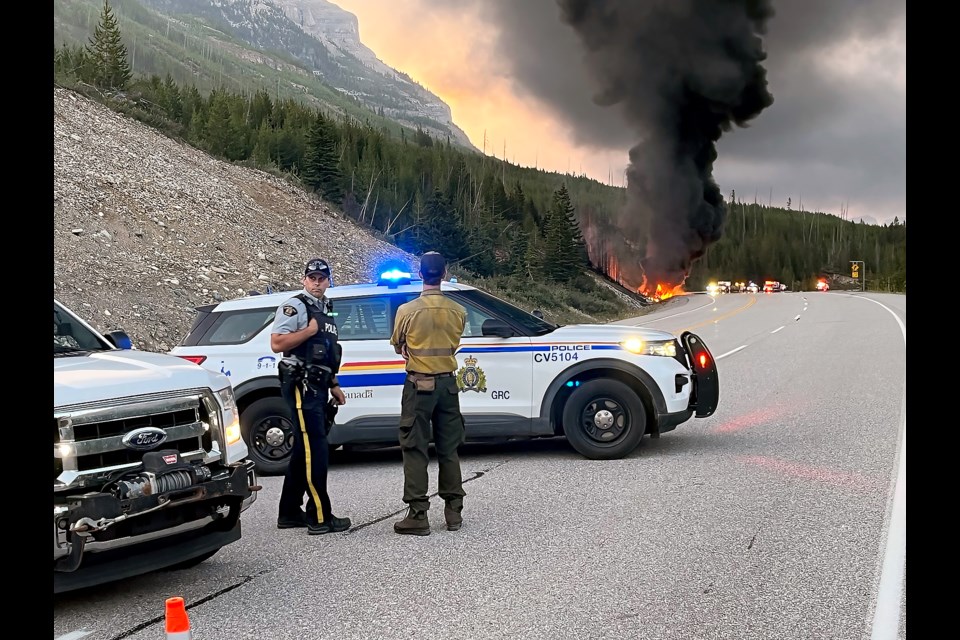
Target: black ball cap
x: 432, y: 265
x: 316, y: 265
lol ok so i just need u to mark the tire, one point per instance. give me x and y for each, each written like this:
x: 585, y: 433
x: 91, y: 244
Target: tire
x: 268, y: 432
x: 192, y: 562
x: 604, y: 419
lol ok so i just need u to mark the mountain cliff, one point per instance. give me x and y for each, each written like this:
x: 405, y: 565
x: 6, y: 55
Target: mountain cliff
x: 325, y: 39
x: 339, y: 31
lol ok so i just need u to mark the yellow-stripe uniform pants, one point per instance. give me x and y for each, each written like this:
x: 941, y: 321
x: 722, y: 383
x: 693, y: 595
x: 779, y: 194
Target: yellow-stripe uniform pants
x: 310, y: 456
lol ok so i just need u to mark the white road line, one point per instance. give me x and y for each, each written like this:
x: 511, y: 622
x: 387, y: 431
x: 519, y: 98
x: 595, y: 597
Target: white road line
x: 886, y: 611
x: 730, y: 353
x: 74, y: 635
x: 777, y: 329
x: 672, y: 315
x: 796, y: 318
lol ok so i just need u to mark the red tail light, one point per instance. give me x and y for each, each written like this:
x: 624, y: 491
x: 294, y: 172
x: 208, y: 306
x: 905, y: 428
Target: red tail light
x: 703, y: 360
x: 194, y: 359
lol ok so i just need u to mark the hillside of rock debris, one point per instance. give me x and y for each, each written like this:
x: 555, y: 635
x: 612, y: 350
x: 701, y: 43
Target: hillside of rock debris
x: 147, y: 228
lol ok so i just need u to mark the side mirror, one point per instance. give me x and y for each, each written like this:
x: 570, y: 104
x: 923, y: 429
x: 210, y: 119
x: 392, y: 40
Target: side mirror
x: 119, y: 339
x: 537, y: 313
x: 494, y: 327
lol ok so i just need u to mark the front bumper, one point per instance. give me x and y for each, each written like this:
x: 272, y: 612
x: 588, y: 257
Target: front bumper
x: 98, y: 537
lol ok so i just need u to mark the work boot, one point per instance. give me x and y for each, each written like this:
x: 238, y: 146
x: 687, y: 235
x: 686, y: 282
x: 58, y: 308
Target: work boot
x: 453, y: 517
x: 415, y: 524
x: 292, y: 522
x: 333, y: 524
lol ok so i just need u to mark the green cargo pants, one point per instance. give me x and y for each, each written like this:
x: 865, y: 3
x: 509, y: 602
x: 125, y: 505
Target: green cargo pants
x: 420, y: 409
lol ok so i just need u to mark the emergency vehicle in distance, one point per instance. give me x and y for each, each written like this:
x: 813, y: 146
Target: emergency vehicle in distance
x: 602, y: 386
x: 773, y: 286
x: 720, y: 286
x: 823, y: 285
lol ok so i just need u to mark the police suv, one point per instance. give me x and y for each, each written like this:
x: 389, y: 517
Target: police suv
x: 601, y: 386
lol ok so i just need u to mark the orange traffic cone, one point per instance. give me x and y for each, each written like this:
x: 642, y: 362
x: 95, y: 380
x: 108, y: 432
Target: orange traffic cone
x: 178, y: 625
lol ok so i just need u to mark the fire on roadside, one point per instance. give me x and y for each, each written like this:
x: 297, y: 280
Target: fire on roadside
x: 661, y: 291
x: 658, y: 292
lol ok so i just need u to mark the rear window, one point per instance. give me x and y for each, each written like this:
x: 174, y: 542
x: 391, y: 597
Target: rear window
x: 229, y: 327
x: 363, y: 318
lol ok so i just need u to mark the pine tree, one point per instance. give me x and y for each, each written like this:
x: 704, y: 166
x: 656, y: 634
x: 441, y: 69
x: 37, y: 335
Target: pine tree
x: 172, y: 101
x: 535, y: 259
x: 109, y: 54
x: 517, y: 265
x: 564, y: 253
x: 579, y: 255
x: 440, y: 228
x: 217, y: 132
x: 321, y: 165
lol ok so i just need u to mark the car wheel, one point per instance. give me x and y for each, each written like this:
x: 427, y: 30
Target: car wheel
x: 604, y: 419
x: 268, y: 432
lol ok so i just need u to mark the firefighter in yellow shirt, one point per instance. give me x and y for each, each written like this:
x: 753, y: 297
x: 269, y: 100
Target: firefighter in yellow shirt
x: 427, y: 334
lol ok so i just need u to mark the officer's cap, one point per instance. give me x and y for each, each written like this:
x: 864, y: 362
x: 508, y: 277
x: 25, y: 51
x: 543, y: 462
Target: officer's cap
x: 317, y: 265
x: 432, y: 265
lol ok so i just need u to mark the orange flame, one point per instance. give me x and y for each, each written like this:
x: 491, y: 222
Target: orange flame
x: 662, y: 291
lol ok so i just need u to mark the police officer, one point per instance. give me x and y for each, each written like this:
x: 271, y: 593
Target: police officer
x: 305, y: 332
x: 427, y: 334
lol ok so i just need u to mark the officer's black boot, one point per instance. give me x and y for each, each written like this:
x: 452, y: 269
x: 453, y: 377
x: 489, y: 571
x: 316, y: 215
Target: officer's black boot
x: 292, y: 521
x: 415, y: 524
x: 333, y: 524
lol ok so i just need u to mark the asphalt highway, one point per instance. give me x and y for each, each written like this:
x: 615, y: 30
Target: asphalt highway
x: 781, y: 516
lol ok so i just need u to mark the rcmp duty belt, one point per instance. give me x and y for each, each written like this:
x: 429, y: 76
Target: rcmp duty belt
x: 415, y: 374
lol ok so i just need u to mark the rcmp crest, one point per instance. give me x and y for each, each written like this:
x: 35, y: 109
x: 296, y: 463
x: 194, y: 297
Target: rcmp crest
x: 470, y: 377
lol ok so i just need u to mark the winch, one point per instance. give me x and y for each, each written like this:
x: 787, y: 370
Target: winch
x: 162, y: 471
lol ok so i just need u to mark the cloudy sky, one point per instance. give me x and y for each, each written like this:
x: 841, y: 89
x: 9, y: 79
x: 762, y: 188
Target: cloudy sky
x: 515, y: 73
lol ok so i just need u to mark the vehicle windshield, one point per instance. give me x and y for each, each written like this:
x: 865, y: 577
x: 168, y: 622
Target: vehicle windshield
x: 531, y: 324
x: 70, y: 335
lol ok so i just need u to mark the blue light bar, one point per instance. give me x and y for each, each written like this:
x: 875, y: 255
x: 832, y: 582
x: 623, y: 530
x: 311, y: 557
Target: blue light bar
x: 395, y: 274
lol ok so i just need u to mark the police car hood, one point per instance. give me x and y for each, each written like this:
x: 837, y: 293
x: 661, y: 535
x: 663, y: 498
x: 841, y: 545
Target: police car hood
x: 104, y: 375
x: 603, y: 333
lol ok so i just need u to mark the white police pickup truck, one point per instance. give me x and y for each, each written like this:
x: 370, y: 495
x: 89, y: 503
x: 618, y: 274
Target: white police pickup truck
x: 149, y: 468
x: 601, y: 386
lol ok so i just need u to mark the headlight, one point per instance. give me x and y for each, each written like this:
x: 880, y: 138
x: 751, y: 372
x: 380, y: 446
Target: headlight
x: 231, y: 415
x: 666, y: 348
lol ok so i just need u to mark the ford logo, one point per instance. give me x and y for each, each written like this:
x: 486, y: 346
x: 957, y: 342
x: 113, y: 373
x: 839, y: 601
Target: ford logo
x: 144, y: 439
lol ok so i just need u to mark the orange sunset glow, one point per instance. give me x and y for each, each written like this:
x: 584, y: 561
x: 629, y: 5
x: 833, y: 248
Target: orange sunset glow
x: 452, y: 54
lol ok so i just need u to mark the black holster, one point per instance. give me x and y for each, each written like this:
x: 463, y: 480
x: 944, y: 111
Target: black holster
x: 289, y: 372
x: 330, y: 414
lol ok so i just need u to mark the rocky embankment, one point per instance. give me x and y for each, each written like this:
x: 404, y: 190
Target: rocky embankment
x: 147, y: 228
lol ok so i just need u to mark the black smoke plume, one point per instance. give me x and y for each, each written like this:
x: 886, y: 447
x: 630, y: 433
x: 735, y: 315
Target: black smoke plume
x: 682, y: 72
